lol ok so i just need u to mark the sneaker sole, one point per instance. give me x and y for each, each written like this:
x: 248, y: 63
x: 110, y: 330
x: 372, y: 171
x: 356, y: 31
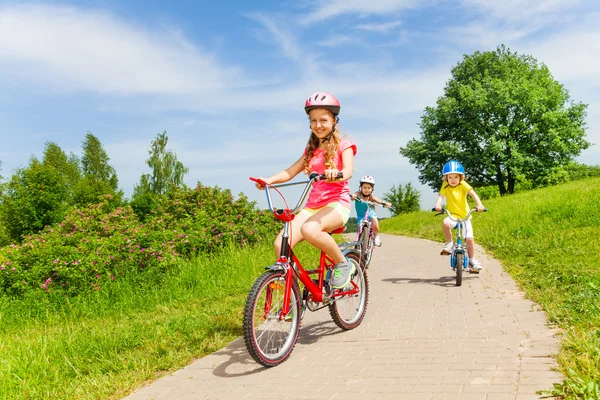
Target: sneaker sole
x: 445, y: 253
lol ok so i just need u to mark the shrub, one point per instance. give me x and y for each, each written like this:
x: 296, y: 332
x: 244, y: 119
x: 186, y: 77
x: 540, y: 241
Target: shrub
x: 103, y: 242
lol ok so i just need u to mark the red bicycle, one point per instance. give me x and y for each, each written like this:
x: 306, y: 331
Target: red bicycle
x: 275, y: 306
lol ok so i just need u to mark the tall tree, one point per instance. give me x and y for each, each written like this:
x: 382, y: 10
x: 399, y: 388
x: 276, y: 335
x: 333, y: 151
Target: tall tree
x: 166, y: 170
x: 504, y: 117
x: 67, y: 166
x: 99, y: 177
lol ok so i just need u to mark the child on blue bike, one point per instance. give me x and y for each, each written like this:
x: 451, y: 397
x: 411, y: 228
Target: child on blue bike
x: 455, y: 190
x: 367, y: 185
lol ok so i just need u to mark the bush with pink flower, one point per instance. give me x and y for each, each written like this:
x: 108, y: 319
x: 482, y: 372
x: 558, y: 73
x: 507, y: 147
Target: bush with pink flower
x: 104, y: 242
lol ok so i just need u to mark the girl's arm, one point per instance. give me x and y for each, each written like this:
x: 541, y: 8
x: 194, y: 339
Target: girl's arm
x: 348, y: 161
x: 355, y: 195
x: 379, y: 201
x: 478, y: 204
x: 438, y: 203
x: 286, y: 174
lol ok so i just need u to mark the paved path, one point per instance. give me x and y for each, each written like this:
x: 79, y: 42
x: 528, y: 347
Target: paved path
x: 422, y: 338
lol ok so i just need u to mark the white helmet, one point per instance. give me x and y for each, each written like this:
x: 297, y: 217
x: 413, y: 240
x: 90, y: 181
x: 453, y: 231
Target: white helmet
x: 367, y: 179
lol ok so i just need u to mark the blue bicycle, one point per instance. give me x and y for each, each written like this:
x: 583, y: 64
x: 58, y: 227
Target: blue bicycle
x: 459, y: 257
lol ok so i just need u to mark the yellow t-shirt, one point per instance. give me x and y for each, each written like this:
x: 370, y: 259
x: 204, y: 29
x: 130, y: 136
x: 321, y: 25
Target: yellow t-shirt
x: 456, y: 198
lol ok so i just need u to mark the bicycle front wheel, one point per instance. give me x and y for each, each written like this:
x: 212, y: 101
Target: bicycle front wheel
x: 460, y: 260
x: 366, y: 248
x: 348, y: 311
x: 269, y: 336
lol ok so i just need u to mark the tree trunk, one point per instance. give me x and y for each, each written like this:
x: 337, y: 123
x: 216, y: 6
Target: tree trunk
x: 511, y: 181
x: 500, y: 180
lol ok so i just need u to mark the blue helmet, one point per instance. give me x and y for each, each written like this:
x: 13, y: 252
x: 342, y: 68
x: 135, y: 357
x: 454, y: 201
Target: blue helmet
x: 453, y: 167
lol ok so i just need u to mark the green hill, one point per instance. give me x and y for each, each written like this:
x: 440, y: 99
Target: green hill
x: 548, y: 240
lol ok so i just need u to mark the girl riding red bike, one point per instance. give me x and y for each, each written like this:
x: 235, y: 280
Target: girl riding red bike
x: 328, y: 205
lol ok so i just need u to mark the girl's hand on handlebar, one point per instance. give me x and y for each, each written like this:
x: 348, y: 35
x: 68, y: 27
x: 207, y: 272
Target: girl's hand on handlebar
x: 438, y: 208
x: 480, y: 208
x: 258, y: 185
x: 331, y: 174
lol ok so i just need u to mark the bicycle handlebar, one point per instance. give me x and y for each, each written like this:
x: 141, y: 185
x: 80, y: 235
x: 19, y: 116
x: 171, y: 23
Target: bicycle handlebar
x: 370, y: 203
x: 457, y: 219
x: 313, y: 176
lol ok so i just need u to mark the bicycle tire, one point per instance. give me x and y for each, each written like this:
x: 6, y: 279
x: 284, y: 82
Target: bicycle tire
x: 369, y: 248
x: 363, y: 240
x: 460, y: 260
x: 269, y: 340
x: 348, y: 312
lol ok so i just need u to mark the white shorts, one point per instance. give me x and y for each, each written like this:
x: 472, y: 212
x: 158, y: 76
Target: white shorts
x: 466, y: 230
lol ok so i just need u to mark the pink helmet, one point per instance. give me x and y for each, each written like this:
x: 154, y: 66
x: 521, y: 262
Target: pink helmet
x: 322, y: 100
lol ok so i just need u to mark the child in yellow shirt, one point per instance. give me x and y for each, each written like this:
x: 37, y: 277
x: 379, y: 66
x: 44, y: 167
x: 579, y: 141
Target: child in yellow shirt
x: 455, y: 190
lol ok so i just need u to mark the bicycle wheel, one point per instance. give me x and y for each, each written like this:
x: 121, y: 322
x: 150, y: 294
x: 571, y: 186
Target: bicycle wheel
x: 363, y: 240
x: 348, y: 311
x: 269, y: 339
x: 460, y: 259
x: 369, y: 248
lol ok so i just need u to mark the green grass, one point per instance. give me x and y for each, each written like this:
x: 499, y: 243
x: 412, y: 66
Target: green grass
x: 107, y: 343
x: 548, y: 240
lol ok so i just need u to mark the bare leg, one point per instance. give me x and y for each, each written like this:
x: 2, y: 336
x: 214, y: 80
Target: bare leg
x: 447, y: 229
x: 315, y: 231
x: 295, y: 233
x: 375, y: 225
x: 471, y: 248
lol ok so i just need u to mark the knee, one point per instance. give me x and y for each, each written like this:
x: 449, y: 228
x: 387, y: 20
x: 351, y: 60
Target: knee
x: 309, y: 230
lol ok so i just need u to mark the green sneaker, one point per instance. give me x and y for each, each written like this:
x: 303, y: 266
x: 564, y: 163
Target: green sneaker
x: 342, y: 274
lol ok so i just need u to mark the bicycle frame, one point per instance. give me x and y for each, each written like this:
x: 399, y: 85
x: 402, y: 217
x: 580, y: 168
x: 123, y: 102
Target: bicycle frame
x: 364, y: 222
x: 459, y: 247
x: 288, y: 261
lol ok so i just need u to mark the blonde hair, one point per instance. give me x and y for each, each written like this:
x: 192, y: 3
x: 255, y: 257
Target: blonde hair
x: 332, y: 147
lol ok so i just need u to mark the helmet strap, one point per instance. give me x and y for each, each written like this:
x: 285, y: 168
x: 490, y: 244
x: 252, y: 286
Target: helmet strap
x: 326, y: 139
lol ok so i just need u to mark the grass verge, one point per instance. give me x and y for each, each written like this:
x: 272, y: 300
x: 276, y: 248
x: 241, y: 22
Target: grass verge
x: 105, y: 344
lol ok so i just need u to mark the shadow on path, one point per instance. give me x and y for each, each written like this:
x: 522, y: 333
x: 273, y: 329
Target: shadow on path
x: 238, y: 357
x: 240, y: 363
x: 446, y: 281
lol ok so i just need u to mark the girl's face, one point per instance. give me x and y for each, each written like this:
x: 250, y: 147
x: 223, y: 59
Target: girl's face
x: 366, y: 189
x: 321, y: 122
x: 453, y: 179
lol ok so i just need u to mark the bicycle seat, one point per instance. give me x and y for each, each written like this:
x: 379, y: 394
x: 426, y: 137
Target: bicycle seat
x: 341, y: 229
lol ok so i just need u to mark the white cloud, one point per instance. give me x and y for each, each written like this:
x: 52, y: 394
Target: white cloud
x: 502, y: 21
x: 572, y: 55
x: 487, y: 35
x: 520, y: 10
x: 381, y: 28
x: 332, y: 8
x: 335, y: 40
x: 77, y: 49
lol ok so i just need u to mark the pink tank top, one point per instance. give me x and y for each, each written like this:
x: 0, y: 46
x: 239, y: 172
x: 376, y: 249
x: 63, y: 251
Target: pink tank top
x: 324, y: 192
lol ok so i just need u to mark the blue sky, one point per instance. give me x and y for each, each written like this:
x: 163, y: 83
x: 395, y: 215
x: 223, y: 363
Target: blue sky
x: 228, y: 82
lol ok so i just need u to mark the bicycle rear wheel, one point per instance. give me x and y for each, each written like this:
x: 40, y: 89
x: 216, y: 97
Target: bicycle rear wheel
x: 460, y: 260
x: 348, y: 311
x: 270, y: 339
